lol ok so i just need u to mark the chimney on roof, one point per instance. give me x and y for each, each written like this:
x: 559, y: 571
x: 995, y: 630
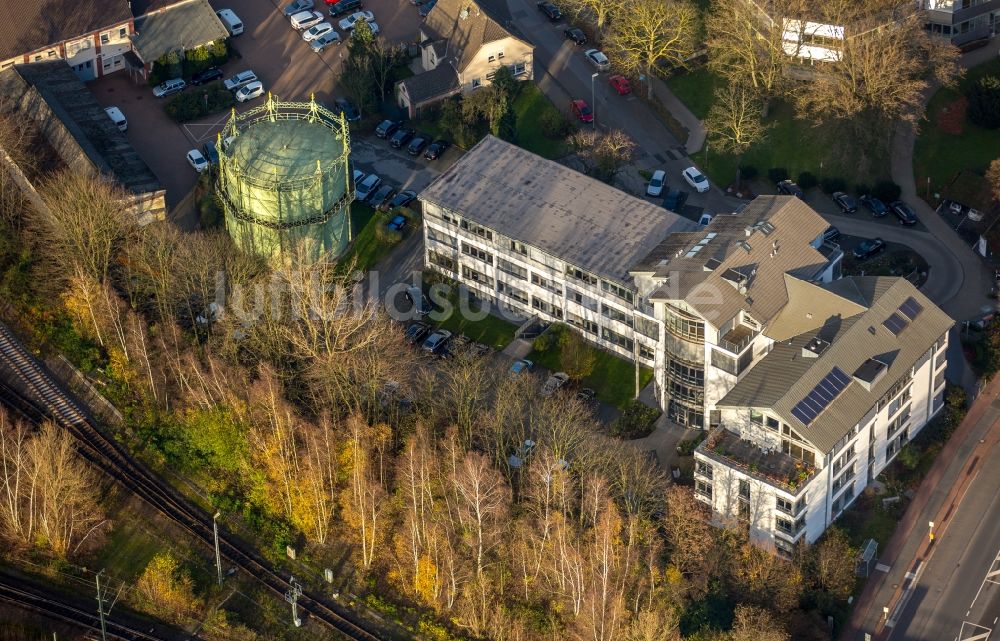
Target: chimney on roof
x: 748, y: 230
x: 814, y: 348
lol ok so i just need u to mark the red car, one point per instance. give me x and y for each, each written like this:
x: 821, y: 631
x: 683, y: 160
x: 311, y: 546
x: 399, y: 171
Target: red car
x: 621, y: 85
x: 582, y: 111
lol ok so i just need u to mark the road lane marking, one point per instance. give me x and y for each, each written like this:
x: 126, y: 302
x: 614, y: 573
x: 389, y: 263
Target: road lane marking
x: 975, y: 632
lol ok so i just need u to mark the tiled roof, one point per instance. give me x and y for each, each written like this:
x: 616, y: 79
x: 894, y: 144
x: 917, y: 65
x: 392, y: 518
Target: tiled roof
x: 30, y: 26
x: 547, y: 205
x: 767, y: 239
x: 186, y: 25
x: 440, y: 81
x: 466, y: 25
x: 785, y: 376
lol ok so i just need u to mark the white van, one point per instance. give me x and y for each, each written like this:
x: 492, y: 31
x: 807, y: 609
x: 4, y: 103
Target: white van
x: 117, y: 117
x: 231, y: 21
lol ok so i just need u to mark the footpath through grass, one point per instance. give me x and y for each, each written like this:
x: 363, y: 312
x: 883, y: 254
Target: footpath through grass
x: 940, y: 153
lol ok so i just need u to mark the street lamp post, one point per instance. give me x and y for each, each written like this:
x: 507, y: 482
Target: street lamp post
x: 593, y: 98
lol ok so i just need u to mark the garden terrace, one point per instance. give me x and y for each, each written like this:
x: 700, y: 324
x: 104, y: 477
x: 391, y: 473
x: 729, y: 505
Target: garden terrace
x: 774, y: 468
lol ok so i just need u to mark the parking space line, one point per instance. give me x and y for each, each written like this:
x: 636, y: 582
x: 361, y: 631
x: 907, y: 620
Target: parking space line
x: 975, y: 632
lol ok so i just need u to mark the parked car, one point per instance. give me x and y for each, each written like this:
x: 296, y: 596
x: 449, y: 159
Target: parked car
x: 418, y: 300
x: 316, y: 31
x: 327, y: 39
x: 675, y: 199
x: 426, y: 7
x: 868, y: 248
x: 435, y: 149
x: 551, y: 11
x: 382, y: 196
x: 696, y: 179
x: 581, y: 110
x: 373, y: 26
x: 206, y: 76
x: 250, y: 91
x: 403, y: 199
x: 366, y: 187
x: 554, y: 383
x: 305, y: 19
x: 846, y: 202
x: 598, y: 59
x: 297, y: 7
x: 874, y: 205
x: 344, y: 7
x: 576, y: 35
x: 656, y: 183
x: 230, y: 21
x: 705, y: 220
x: 197, y: 161
x: 831, y: 234
x: 358, y: 176
x: 903, y: 212
x: 168, y: 87
x: 386, y: 128
x: 401, y: 137
x: 344, y: 106
x: 397, y: 223
x: 117, y: 117
x: 436, y: 342
x: 239, y: 80
x: 348, y: 23
x: 417, y: 144
x: 416, y: 332
x: 211, y: 153
x: 621, y: 84
x: 521, y: 366
x: 789, y: 188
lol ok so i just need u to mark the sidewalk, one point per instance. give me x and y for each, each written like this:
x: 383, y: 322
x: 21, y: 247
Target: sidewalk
x: 968, y: 294
x: 680, y: 111
x: 943, y: 486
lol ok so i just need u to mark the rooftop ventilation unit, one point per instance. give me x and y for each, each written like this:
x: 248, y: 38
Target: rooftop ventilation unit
x: 870, y: 372
x: 814, y: 348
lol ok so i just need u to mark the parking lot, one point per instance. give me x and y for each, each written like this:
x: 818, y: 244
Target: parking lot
x: 287, y: 67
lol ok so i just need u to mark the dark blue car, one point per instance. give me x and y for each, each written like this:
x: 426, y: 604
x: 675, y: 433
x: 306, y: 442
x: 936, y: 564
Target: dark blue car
x: 397, y: 223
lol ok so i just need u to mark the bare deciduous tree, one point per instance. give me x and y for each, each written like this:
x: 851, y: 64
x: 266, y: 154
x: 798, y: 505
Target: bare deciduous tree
x: 735, y: 121
x: 654, y: 32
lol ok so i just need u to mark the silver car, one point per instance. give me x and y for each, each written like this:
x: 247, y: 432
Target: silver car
x: 168, y: 87
x: 297, y: 6
x: 321, y: 43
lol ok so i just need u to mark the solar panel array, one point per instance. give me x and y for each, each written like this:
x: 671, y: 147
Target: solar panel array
x: 911, y: 308
x: 895, y: 323
x: 821, y: 396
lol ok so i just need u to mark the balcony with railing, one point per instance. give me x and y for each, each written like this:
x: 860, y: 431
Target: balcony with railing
x: 772, y: 467
x: 738, y: 338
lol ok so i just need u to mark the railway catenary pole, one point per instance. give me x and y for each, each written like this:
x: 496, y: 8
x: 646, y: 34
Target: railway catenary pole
x: 100, y: 607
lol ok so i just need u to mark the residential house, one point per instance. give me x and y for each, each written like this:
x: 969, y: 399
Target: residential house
x: 462, y: 44
x: 92, y: 36
x: 180, y: 27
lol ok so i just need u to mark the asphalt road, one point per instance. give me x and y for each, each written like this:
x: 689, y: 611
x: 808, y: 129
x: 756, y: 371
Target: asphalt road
x: 563, y: 73
x: 953, y: 598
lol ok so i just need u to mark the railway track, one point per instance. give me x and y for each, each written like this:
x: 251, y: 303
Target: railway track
x: 26, y: 598
x: 46, y: 399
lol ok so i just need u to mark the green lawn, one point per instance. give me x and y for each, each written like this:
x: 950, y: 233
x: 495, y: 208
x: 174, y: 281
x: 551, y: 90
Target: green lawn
x: 529, y: 106
x: 695, y: 89
x: 613, y: 378
x: 366, y: 248
x: 492, y: 331
x: 941, y: 155
x: 791, y: 143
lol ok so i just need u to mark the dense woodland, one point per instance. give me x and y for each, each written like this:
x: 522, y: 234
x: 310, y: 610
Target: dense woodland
x: 300, y: 408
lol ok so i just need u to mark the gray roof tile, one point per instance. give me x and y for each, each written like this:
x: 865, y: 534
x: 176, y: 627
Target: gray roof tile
x: 186, y: 25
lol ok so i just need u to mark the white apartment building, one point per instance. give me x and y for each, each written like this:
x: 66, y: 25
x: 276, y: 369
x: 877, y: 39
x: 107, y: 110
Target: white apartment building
x: 816, y: 419
x: 746, y: 324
